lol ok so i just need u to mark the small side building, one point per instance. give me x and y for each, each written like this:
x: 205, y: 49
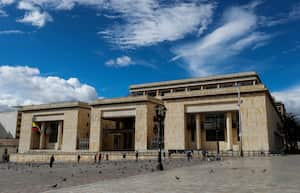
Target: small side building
x: 61, y: 127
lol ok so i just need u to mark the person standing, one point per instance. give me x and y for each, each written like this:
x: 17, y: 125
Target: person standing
x: 136, y: 156
x: 51, y: 161
x: 95, y: 159
x: 78, y: 158
x: 99, y: 158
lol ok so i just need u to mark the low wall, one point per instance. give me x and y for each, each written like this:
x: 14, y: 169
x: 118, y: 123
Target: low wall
x: 44, y: 157
x: 85, y: 156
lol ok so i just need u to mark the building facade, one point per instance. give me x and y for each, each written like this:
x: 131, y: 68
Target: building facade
x: 10, y: 124
x: 235, y: 110
x: 55, y: 127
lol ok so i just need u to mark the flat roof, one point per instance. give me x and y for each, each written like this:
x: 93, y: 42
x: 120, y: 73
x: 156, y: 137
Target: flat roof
x: 122, y: 100
x: 193, y: 80
x: 55, y: 106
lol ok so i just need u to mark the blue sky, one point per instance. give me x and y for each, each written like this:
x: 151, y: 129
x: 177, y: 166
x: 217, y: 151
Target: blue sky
x: 58, y: 50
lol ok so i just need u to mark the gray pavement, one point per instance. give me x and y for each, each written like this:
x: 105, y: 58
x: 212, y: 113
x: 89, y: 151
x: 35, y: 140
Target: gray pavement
x: 25, y: 178
x: 249, y: 175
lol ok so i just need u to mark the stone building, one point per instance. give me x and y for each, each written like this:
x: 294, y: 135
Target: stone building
x: 10, y: 123
x: 60, y: 127
x: 199, y: 112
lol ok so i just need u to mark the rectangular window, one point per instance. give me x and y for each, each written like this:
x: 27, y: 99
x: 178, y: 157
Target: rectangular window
x: 191, y: 125
x: 195, y: 88
x: 211, y: 86
x: 246, y: 83
x: 53, y: 132
x: 179, y: 89
x: 163, y: 92
x: 226, y: 85
x: 151, y: 93
x: 214, y: 126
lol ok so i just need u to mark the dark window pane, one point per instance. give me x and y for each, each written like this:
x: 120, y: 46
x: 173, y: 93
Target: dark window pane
x: 53, y: 127
x: 214, y: 126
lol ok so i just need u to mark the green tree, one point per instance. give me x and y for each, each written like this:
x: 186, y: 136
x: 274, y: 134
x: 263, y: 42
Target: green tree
x: 290, y: 132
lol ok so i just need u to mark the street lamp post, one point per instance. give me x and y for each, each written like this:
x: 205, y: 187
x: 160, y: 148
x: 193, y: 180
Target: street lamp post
x: 240, y: 120
x: 217, y: 137
x: 160, y: 117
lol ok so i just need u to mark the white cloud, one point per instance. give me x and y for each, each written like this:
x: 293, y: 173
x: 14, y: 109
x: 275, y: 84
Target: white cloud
x: 36, y: 18
x: 8, y: 32
x: 34, y: 15
x: 145, y: 22
x: 24, y: 85
x: 238, y: 31
x: 123, y: 61
x: 291, y: 98
x: 158, y: 23
x: 4, y: 3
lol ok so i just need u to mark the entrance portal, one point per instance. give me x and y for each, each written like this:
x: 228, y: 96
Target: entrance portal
x: 118, y: 134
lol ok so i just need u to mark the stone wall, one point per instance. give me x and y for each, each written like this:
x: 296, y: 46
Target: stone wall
x: 274, y: 123
x: 175, y: 126
x: 254, y: 122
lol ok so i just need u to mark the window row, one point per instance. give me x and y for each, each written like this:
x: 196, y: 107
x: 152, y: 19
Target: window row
x: 154, y: 93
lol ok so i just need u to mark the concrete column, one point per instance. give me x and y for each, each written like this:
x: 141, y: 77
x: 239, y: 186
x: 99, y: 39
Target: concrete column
x: 157, y: 92
x: 141, y: 128
x: 198, y: 131
x: 59, y: 135
x: 96, y: 130
x: 42, y: 135
x: 229, y: 130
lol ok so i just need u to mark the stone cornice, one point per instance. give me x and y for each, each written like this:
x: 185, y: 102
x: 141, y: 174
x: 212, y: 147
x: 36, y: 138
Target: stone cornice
x: 126, y: 100
x: 64, y: 105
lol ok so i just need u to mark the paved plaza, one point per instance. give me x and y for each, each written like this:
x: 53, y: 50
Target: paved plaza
x: 249, y: 175
x: 33, y: 178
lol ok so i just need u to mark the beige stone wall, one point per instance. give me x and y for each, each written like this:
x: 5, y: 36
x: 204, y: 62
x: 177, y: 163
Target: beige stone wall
x: 150, y: 122
x: 254, y: 122
x: 95, y: 135
x: 175, y: 126
x: 84, y: 123
x: 141, y: 127
x: 70, y: 126
x: 273, y: 123
x: 25, y: 135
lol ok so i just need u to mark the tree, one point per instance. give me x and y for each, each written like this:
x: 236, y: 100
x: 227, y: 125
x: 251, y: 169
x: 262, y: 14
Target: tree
x: 290, y: 132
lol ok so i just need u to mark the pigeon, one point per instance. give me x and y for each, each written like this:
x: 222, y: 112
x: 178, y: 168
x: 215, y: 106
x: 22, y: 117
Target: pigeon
x: 177, y: 178
x: 100, y: 172
x: 54, y: 186
x: 64, y: 179
x: 264, y: 171
x: 211, y: 171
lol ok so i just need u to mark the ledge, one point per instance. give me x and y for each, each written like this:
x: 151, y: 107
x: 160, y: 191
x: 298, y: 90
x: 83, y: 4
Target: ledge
x: 55, y: 106
x: 126, y: 100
